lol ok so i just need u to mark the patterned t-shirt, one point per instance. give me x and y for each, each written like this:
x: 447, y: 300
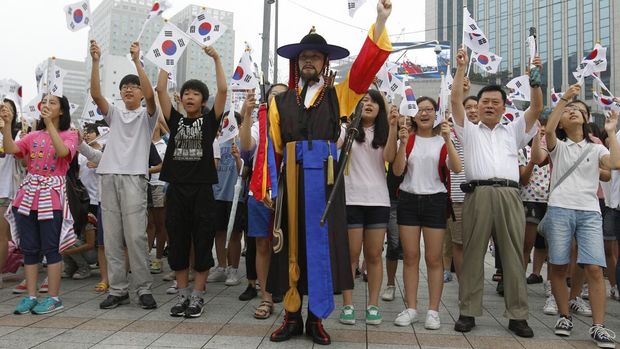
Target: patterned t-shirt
x: 537, y: 190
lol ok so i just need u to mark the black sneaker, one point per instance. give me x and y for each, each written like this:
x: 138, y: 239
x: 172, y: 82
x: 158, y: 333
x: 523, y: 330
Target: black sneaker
x: 180, y: 307
x: 147, y: 301
x: 564, y: 326
x: 249, y: 293
x: 196, y: 305
x: 534, y: 279
x: 114, y: 301
x: 603, y: 337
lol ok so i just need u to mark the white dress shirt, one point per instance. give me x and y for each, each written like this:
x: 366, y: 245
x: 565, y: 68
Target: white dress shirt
x: 493, y: 153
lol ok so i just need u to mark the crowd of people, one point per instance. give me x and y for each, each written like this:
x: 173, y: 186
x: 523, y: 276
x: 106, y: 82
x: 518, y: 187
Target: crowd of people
x: 163, y: 181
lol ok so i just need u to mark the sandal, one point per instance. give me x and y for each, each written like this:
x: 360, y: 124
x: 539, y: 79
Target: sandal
x: 101, y: 287
x: 264, y: 310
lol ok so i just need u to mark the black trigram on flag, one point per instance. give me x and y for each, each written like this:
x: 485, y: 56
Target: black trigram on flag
x: 167, y: 33
x: 85, y: 6
x: 169, y: 61
x: 181, y: 42
x: 473, y: 27
x: 156, y: 52
x: 201, y: 17
x: 518, y: 84
x: 482, y: 41
x: 192, y: 29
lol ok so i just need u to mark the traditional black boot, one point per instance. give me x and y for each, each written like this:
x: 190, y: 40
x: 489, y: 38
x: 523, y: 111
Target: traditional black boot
x: 314, y: 329
x: 293, y: 325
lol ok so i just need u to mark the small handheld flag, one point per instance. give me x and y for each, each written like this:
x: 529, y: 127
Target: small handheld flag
x: 78, y: 15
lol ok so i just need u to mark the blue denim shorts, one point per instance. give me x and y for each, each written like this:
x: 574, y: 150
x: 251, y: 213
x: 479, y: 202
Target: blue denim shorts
x: 562, y: 225
x: 259, y: 219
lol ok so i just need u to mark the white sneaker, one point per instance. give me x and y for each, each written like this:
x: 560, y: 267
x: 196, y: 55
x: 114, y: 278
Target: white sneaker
x: 432, y: 320
x: 406, y: 317
x: 585, y: 292
x: 170, y: 276
x: 580, y: 307
x: 217, y: 274
x: 233, y: 278
x: 550, y: 307
x: 173, y: 289
x: 388, y: 294
x: 613, y: 293
x: 547, y: 287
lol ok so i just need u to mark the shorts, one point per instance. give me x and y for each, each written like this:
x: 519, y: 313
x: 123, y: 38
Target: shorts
x: 158, y: 196
x: 562, y: 225
x: 190, y: 215
x: 423, y: 210
x: 394, y: 248
x: 454, y: 227
x: 611, y: 224
x: 369, y: 217
x: 534, y: 211
x: 38, y: 238
x: 222, y: 215
x: 259, y: 219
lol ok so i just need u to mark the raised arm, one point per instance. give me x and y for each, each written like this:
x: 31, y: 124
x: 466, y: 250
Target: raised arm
x: 536, y: 101
x: 6, y: 115
x: 384, y: 9
x: 454, y: 161
x: 245, y: 131
x: 556, y: 114
x: 145, y: 83
x: 389, y: 151
x: 95, y: 87
x: 612, y: 161
x: 456, y: 97
x: 59, y: 145
x: 400, y: 160
x: 220, y: 78
x: 162, y: 93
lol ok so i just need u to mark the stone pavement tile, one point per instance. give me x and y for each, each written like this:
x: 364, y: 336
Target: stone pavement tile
x: 131, y: 338
x: 190, y: 327
x: 19, y: 344
x: 488, y: 342
x: 581, y: 344
x: 130, y: 312
x: 456, y: 341
x: 245, y: 330
x: 486, y: 331
x: 385, y: 337
x: 104, y: 324
x: 181, y: 340
x: 345, y: 345
x: 537, y: 343
x: 34, y: 334
x: 60, y: 322
x: 8, y: 329
x: 19, y: 320
x: 82, y: 336
x: 347, y: 336
x: 392, y: 346
x: 62, y: 345
x: 233, y: 342
x: 389, y: 326
x: 301, y: 342
x: 117, y: 346
x: 150, y: 326
x: 162, y: 314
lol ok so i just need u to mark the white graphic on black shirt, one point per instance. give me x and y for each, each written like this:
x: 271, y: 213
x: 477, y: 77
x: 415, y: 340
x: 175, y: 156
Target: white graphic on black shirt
x: 188, y: 141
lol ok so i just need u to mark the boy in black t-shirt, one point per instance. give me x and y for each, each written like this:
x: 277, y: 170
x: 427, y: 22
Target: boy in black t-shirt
x: 189, y: 169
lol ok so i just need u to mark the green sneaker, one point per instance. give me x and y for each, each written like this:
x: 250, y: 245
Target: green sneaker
x: 48, y: 305
x: 25, y: 305
x: 347, y: 315
x: 373, y: 317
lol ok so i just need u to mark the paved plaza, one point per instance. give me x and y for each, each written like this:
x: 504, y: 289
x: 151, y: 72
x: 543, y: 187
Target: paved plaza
x: 228, y: 323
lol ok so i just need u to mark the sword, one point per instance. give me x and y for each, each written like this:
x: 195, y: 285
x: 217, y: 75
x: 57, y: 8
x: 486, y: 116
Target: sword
x: 235, y: 202
x: 278, y: 237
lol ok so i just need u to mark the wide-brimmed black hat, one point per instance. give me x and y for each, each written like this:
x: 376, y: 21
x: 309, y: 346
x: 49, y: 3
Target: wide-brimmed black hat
x: 313, y: 41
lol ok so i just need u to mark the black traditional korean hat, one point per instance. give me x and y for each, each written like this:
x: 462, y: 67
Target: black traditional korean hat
x: 313, y: 41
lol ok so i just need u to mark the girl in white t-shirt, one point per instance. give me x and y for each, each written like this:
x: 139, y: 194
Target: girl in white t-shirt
x: 368, y: 202
x: 425, y: 157
x: 7, y: 167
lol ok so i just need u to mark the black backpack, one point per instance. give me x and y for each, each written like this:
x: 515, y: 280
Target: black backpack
x: 78, y: 198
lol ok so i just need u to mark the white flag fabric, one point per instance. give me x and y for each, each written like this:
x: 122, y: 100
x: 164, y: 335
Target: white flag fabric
x: 388, y: 83
x: 408, y: 106
x: 91, y: 112
x: 205, y: 30
x: 32, y: 110
x: 606, y: 102
x: 444, y: 97
x: 73, y: 107
x: 473, y: 37
x: 487, y: 61
x: 531, y: 47
x: 156, y: 10
x: 78, y: 15
x: 229, y: 125
x: 555, y: 97
x: 597, y: 59
x: 354, y: 5
x: 244, y: 76
x: 12, y: 90
x: 511, y: 114
x: 141, y: 58
x: 56, y: 80
x: 521, y: 86
x: 168, y: 47
x: 581, y: 75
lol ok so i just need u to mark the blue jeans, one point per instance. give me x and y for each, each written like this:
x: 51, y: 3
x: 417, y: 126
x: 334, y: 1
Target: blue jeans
x: 562, y: 225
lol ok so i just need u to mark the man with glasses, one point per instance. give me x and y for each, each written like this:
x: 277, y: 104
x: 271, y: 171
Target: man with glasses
x: 124, y: 169
x: 492, y: 202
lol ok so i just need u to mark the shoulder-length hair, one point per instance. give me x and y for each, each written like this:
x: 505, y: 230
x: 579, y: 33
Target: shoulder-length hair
x: 560, y: 133
x: 65, y: 116
x: 381, y: 122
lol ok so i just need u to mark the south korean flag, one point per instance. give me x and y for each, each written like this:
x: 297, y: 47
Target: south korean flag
x: 78, y: 15
x: 205, y: 30
x: 354, y: 5
x: 521, y: 86
x: 473, y: 37
x: 32, y: 110
x: 167, y: 47
x: 91, y: 112
x: 244, y: 77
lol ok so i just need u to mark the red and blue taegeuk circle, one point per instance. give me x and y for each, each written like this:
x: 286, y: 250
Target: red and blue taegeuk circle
x: 225, y: 124
x: 169, y: 47
x: 155, y: 7
x: 482, y: 59
x: 239, y: 73
x: 554, y: 97
x: 409, y: 95
x: 204, y: 28
x: 509, y: 116
x: 78, y: 15
x: 592, y: 55
x: 607, y: 101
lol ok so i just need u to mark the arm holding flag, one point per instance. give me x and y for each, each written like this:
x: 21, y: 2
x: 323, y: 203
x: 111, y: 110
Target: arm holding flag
x: 556, y: 114
x: 456, y: 98
x: 95, y: 87
x: 145, y: 84
x: 220, y: 78
x: 389, y: 152
x: 7, y: 138
x: 162, y: 94
x: 536, y: 102
x: 373, y: 54
x: 612, y: 161
x: 245, y: 131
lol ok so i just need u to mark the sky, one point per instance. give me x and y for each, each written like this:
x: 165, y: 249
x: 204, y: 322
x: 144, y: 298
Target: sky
x: 35, y: 30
